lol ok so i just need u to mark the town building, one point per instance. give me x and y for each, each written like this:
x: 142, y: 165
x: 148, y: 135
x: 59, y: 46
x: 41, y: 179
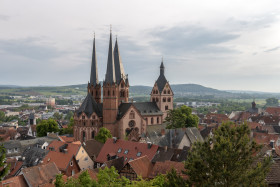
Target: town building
x: 113, y: 111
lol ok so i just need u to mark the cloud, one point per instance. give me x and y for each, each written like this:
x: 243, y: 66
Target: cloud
x: 272, y: 49
x: 4, y: 17
x: 191, y: 39
x: 32, y: 48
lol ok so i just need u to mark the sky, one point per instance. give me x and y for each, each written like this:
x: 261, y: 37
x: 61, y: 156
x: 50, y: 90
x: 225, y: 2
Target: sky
x: 223, y: 44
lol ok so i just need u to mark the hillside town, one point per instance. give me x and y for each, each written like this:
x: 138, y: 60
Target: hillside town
x: 137, y: 139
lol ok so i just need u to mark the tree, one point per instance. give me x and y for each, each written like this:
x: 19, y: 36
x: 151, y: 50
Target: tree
x: 103, y: 135
x: 181, y: 117
x: 4, y: 167
x: 272, y: 102
x: 57, y: 116
x: 69, y: 115
x: 227, y: 159
x: 46, y: 126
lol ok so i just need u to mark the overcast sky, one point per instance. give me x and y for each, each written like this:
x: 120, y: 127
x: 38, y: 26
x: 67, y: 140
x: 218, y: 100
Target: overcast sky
x: 220, y: 44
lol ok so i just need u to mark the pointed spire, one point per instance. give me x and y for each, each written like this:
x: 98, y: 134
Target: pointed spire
x: 110, y: 73
x: 119, y: 70
x: 161, y: 67
x: 94, y: 71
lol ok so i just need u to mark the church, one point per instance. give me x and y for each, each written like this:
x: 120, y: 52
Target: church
x: 125, y: 119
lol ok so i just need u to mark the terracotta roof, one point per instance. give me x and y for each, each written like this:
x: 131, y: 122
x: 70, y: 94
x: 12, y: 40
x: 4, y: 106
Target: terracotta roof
x: 264, y: 138
x: 142, y: 166
x: 17, y: 181
x: 38, y: 175
x: 93, y: 148
x: 72, y: 148
x: 15, y: 166
x: 92, y: 174
x: 253, y: 125
x: 273, y: 110
x: 165, y: 167
x: 132, y: 147
x: 67, y: 139
x: 273, y: 177
x: 62, y: 160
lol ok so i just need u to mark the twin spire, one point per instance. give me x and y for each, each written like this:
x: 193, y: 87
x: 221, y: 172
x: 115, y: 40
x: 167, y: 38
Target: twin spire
x: 115, y: 71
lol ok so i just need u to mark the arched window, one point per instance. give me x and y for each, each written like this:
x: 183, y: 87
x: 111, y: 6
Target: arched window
x: 168, y: 91
x: 84, y: 136
x: 113, y: 93
x: 157, y: 99
x: 166, y: 107
x: 92, y: 134
x: 154, y: 100
x: 96, y: 93
x: 169, y: 99
x: 92, y: 93
x: 164, y: 99
x: 132, y: 115
x: 122, y: 85
x: 84, y: 123
x: 131, y: 123
x: 152, y: 120
x: 157, y: 120
x: 164, y: 91
x: 154, y: 91
x: 108, y: 93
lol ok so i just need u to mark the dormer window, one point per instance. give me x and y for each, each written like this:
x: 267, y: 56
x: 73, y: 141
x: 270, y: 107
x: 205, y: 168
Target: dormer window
x: 139, y: 154
x: 126, y: 151
x: 119, y: 150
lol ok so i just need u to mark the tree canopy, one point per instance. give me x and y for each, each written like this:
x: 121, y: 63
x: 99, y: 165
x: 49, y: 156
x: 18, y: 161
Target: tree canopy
x: 4, y: 167
x: 103, y: 135
x: 46, y: 126
x: 272, y: 102
x: 181, y: 117
x: 227, y: 159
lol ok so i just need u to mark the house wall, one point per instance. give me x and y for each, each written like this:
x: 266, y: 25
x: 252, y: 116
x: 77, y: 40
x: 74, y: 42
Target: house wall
x: 185, y: 142
x: 140, y: 123
x: 70, y: 168
x: 84, y: 159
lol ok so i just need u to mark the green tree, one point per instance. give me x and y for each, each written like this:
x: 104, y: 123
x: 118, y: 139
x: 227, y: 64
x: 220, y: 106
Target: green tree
x: 57, y: 116
x: 181, y: 117
x: 227, y: 159
x: 46, y: 126
x: 172, y: 179
x: 2, y: 116
x: 4, y: 167
x: 272, y: 102
x: 69, y: 115
x: 103, y: 135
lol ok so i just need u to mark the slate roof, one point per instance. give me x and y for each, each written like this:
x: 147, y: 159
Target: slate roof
x: 148, y: 108
x: 89, y: 106
x: 163, y: 154
x: 94, y: 71
x: 110, y: 76
x: 33, y: 156
x: 123, y: 109
x: 180, y: 155
x: 273, y: 110
x: 133, y: 148
x: 39, y: 175
x: 194, y: 135
x: 118, y: 163
x: 12, y: 144
x: 161, y: 82
x: 119, y: 70
x: 276, y: 128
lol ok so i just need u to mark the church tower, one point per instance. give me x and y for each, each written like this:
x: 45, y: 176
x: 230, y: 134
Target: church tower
x: 94, y: 87
x: 162, y: 93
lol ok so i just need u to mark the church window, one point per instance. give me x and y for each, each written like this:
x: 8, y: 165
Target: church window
x: 136, y: 129
x: 169, y: 99
x: 92, y: 93
x: 119, y: 150
x: 84, y: 123
x: 131, y: 123
x: 132, y: 115
x: 93, y: 117
x: 113, y: 93
x: 108, y: 93
x: 168, y: 91
x: 156, y: 92
x: 152, y: 120
x: 164, y: 99
x: 92, y: 134
x: 164, y: 91
x: 166, y: 107
x: 156, y: 99
x: 122, y: 85
x: 84, y: 136
x: 92, y: 123
x: 126, y: 151
x: 96, y: 93
x: 139, y: 154
x: 157, y: 120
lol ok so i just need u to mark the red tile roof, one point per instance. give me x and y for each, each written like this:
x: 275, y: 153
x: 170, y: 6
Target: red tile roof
x: 253, y: 125
x: 264, y: 138
x: 132, y: 147
x: 66, y: 139
x: 273, y: 110
x: 142, y: 166
x: 17, y: 181
x: 165, y: 167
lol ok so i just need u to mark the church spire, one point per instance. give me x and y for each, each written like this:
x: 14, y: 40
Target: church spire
x: 110, y: 73
x: 94, y: 71
x: 161, y: 67
x: 119, y: 70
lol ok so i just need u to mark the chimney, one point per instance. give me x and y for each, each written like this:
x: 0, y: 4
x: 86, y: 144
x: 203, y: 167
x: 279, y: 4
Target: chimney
x: 149, y: 145
x: 115, y: 139
x: 271, y: 143
x: 162, y: 132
